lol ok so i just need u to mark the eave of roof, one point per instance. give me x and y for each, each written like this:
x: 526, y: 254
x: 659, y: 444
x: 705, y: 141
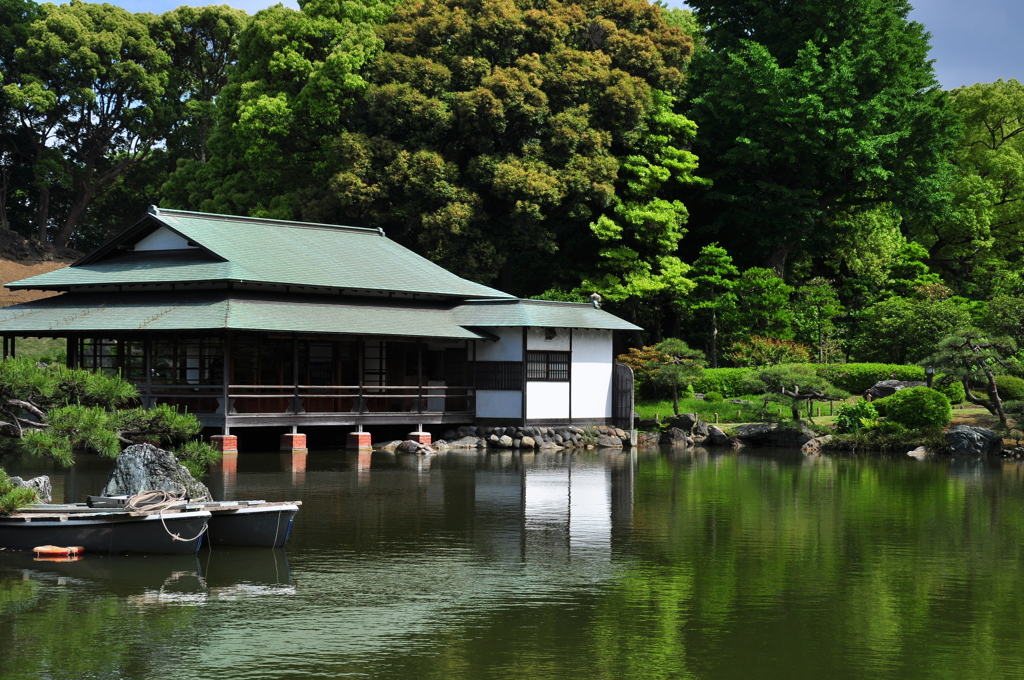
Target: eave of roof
x: 537, y: 314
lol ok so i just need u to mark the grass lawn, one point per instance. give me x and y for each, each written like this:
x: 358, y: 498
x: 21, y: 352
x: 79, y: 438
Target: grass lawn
x: 40, y: 348
x: 728, y: 412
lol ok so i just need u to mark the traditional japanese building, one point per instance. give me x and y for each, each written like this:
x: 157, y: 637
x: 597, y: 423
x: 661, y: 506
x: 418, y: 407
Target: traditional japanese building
x: 251, y: 322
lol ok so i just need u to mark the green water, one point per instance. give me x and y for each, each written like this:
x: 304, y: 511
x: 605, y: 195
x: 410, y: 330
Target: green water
x: 600, y: 565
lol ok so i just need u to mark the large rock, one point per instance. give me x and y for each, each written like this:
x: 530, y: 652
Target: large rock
x: 773, y: 434
x: 676, y: 437
x: 609, y: 442
x: 976, y: 441
x: 717, y: 437
x: 816, y: 444
x: 144, y: 467
x: 684, y: 421
x: 40, y: 484
x: 885, y: 388
x: 466, y: 443
x: 645, y: 439
x: 412, y: 446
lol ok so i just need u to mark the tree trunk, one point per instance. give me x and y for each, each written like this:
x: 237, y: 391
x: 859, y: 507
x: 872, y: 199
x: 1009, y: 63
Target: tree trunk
x: 777, y: 258
x: 42, y: 213
x: 675, y: 399
x: 714, y: 339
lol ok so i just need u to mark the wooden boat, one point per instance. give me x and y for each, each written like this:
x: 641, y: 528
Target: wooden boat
x: 258, y: 524
x: 105, y: 531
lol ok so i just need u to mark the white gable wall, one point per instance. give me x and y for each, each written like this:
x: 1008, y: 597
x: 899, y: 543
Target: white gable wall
x: 500, y: 403
x: 591, y: 373
x: 163, y: 239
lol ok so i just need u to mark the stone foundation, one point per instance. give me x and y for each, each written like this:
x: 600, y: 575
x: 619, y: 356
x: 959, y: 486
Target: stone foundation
x: 227, y: 444
x: 534, y: 437
x: 358, y: 440
x: 294, y: 442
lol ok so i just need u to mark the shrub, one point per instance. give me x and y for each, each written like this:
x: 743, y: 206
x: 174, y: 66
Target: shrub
x: 918, y: 407
x: 757, y: 352
x: 954, y: 390
x: 856, y: 378
x: 1010, y: 388
x: 713, y: 397
x: 852, y: 417
x: 726, y: 381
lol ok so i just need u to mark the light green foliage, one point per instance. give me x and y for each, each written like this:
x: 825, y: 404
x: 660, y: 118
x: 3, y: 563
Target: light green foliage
x: 763, y: 304
x: 816, y: 308
x: 727, y: 381
x: 855, y: 417
x: 13, y: 497
x: 713, y: 397
x: 88, y: 95
x: 986, y: 225
x: 1011, y: 388
x: 904, y: 330
x: 969, y: 354
x: 856, y: 378
x: 918, y: 407
x: 712, y: 302
x: 678, y: 368
x: 791, y: 385
x: 813, y: 109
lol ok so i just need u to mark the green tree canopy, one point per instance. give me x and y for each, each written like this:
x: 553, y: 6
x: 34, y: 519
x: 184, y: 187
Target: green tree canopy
x: 811, y: 109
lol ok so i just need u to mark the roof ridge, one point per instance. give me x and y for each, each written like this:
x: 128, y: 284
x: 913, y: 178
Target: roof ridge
x: 157, y: 212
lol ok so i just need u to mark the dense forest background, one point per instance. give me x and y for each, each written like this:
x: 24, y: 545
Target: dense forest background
x: 782, y: 179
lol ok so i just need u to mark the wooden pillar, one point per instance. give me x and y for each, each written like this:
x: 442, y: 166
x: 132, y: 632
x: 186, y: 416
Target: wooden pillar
x: 525, y: 329
x: 419, y: 376
x: 147, y: 350
x: 226, y: 379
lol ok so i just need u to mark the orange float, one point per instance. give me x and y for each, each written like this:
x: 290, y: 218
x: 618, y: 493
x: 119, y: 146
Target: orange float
x: 58, y: 551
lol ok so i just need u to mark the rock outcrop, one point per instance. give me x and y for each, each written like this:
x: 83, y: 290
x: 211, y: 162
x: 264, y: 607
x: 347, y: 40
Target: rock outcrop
x: 144, y: 467
x: 975, y: 441
x: 773, y: 435
x: 40, y: 484
x: 885, y: 388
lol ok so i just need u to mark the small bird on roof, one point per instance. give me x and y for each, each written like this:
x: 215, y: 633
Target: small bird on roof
x: 595, y: 299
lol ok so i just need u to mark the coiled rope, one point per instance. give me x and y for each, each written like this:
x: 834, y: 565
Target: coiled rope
x: 158, y: 500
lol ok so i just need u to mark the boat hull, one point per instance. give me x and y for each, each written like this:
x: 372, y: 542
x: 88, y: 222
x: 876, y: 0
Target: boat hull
x: 109, y: 534
x: 257, y: 527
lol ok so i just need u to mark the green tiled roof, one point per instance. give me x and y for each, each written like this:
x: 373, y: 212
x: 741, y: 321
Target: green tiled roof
x: 252, y: 250
x: 248, y: 311
x: 537, y: 313
x: 96, y: 313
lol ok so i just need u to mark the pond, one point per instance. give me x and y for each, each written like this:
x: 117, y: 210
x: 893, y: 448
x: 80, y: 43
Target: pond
x: 594, y: 565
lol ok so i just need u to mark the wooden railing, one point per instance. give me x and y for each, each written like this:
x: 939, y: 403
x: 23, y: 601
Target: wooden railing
x: 314, y: 399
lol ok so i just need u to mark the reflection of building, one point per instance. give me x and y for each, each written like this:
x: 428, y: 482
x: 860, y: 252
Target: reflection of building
x: 255, y: 322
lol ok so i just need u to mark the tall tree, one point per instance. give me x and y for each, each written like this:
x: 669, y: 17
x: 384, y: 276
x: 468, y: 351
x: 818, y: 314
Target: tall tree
x: 763, y: 304
x: 90, y: 99
x: 16, y: 16
x: 809, y: 109
x: 714, y: 277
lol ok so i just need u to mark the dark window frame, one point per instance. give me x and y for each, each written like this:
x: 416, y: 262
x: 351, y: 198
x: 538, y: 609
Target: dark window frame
x: 548, y: 366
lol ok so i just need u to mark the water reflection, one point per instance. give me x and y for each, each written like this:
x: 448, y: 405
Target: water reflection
x: 675, y: 563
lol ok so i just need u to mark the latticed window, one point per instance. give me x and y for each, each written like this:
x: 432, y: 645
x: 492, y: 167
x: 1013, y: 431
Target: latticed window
x: 548, y: 366
x: 188, y: 361
x: 100, y: 355
x: 498, y: 375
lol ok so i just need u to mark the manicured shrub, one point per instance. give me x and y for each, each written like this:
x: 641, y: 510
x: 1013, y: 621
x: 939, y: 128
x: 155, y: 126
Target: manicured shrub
x: 954, y: 391
x: 1011, y: 388
x: 713, y: 397
x: 856, y: 378
x: 852, y: 417
x: 726, y: 381
x: 918, y: 407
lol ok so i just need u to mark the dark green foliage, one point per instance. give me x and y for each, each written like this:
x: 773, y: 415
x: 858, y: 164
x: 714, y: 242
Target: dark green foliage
x: 918, y: 407
x: 1011, y: 388
x: 857, y: 378
x: 953, y: 389
x: 678, y: 367
x: 712, y: 397
x: 855, y: 417
x: 13, y: 497
x: 793, y: 385
x: 904, y: 330
x: 726, y: 381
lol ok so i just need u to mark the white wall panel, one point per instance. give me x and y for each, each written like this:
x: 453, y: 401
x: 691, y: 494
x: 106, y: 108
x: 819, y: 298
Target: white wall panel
x: 546, y: 400
x: 591, y: 373
x: 162, y: 239
x: 536, y: 339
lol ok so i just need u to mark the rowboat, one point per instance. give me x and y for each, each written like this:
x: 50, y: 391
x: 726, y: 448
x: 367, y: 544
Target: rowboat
x: 105, y: 531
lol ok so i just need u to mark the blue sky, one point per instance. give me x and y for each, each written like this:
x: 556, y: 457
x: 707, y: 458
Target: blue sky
x: 973, y: 42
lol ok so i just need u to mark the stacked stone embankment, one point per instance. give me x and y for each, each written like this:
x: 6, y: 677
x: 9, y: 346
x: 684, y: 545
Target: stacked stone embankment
x: 533, y: 437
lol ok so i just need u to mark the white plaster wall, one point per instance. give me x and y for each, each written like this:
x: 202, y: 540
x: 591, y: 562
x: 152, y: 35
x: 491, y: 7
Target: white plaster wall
x: 547, y: 400
x: 508, y: 348
x: 591, y: 373
x: 535, y: 339
x: 499, y: 404
x: 163, y: 239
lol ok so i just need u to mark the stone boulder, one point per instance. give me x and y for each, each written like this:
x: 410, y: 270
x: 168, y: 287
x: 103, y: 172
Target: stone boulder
x: 717, y: 437
x: 816, y: 444
x: 144, y: 467
x: 609, y: 442
x: 387, y: 446
x: 40, y: 484
x: 645, y: 439
x: 684, y: 421
x: 773, y: 435
x: 973, y: 441
x: 527, y: 442
x: 676, y: 437
x: 411, y: 446
x: 649, y: 424
x: 885, y: 388
x: 701, y: 429
x: 466, y: 443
